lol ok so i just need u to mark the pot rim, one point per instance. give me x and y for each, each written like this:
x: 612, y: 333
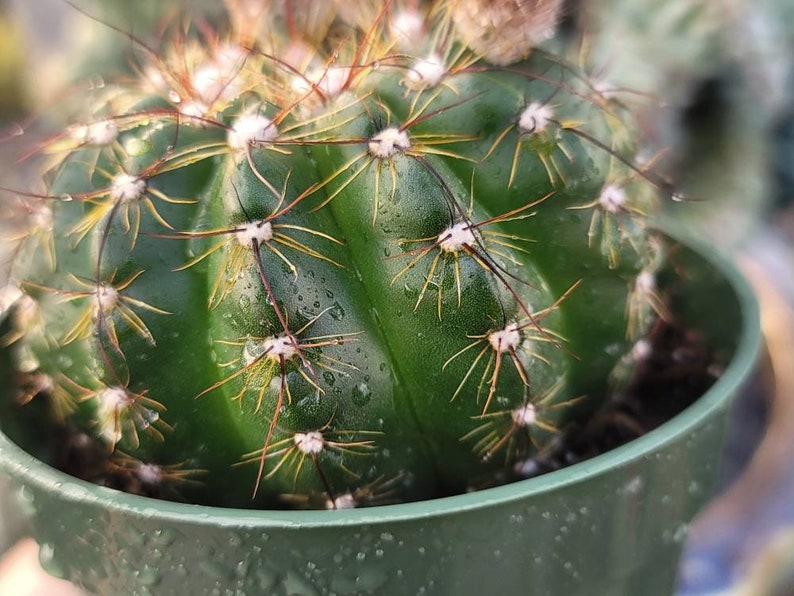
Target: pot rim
x: 16, y: 462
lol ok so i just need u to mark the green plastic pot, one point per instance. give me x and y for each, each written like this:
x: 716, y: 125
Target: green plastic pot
x: 614, y: 524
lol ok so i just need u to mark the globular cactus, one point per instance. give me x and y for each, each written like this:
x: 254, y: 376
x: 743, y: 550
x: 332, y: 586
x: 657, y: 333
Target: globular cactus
x: 383, y: 268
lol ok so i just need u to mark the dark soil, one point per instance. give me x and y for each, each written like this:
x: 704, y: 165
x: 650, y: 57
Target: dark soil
x: 678, y: 370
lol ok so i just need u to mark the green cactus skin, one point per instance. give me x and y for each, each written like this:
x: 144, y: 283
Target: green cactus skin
x: 285, y: 290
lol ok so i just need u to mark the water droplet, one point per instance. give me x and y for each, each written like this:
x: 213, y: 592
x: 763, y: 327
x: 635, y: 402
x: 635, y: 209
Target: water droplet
x: 26, y: 501
x: 295, y: 586
x: 147, y: 576
x: 150, y: 416
x: 371, y: 579
x: 48, y: 561
x: 266, y: 578
x: 633, y: 486
x: 361, y: 394
x: 164, y: 537
x: 216, y: 570
x: 64, y: 362
x: 136, y: 147
x: 241, y: 570
x: 235, y: 540
x: 681, y: 533
x: 337, y: 312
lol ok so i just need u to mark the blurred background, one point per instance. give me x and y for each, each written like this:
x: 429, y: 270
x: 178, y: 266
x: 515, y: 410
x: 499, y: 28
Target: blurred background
x: 723, y: 71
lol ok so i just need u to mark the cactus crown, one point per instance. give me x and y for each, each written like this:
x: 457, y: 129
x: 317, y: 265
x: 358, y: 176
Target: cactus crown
x: 386, y: 266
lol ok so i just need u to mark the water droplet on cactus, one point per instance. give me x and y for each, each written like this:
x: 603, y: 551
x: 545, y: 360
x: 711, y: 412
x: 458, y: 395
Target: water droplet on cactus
x: 361, y: 394
x: 337, y: 312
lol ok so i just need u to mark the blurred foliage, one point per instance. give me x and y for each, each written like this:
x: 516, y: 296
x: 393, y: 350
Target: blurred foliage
x: 721, y: 71
x: 12, y: 71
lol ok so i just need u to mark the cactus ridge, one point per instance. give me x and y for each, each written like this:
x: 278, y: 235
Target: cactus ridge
x: 375, y: 275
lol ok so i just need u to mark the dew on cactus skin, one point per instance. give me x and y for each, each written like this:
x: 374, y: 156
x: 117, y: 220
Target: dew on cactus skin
x: 64, y: 361
x: 361, y: 394
x: 337, y: 312
x: 136, y: 147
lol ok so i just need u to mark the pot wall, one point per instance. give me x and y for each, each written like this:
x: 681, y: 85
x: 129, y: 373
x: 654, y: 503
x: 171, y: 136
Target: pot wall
x: 616, y: 532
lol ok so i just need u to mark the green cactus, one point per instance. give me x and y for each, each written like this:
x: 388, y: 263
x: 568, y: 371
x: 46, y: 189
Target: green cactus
x: 336, y: 277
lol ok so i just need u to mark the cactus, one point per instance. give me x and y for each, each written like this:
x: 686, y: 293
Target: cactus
x: 387, y: 267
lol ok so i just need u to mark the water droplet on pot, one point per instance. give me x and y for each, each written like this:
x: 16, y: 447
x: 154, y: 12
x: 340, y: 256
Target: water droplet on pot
x: 147, y: 576
x: 48, y: 561
x: 295, y: 586
x: 217, y: 570
x: 164, y: 537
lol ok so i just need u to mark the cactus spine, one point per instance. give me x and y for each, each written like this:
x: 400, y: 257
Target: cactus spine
x: 336, y: 276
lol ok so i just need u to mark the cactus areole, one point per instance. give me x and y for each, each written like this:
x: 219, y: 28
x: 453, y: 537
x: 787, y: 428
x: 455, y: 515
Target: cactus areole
x: 338, y: 277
